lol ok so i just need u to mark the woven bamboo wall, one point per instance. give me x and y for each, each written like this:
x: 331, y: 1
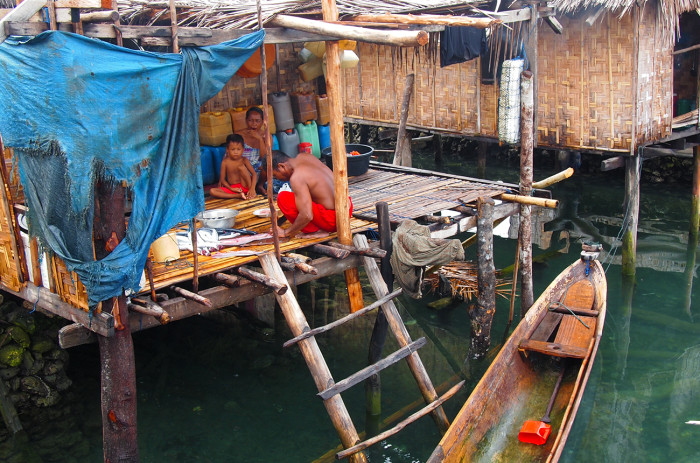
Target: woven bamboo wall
x: 655, y: 81
x: 450, y: 98
x: 8, y: 261
x: 282, y: 76
x: 586, y: 88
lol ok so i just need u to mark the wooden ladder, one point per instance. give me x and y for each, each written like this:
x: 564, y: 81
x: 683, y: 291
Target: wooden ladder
x: 329, y: 389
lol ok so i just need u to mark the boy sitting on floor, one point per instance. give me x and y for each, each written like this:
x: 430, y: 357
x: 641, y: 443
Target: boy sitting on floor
x: 238, y: 178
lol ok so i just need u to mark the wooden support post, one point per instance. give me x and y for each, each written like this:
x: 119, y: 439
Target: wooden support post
x: 314, y: 359
x: 373, y: 385
x: 691, y: 257
x: 531, y: 47
x: 173, y: 30
x: 402, y: 337
x: 629, y: 239
x: 118, y: 374
x: 437, y: 147
x: 401, y: 138
x: 149, y: 275
x: 267, y: 145
x: 364, y: 134
x: 482, y: 314
x: 195, y: 257
x: 695, y: 198
x: 36, y: 262
x: 340, y: 162
x: 526, y: 173
x: 481, y: 159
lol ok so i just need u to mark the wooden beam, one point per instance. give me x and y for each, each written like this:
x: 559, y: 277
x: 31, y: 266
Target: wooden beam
x: 100, y: 323
x: 394, y: 38
x: 21, y: 12
x: 314, y: 359
x: 187, y: 36
x: 470, y: 21
x: 345, y: 319
x: 554, y: 24
x: 612, y: 163
x: 369, y: 370
x: 178, y: 307
x: 390, y: 432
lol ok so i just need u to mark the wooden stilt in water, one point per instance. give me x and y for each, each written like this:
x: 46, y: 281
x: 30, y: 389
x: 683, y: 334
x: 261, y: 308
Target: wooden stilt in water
x: 373, y: 384
x: 482, y: 314
x: 481, y: 159
x: 400, y: 158
x: 314, y: 359
x: 629, y: 238
x: 437, y: 148
x: 402, y: 337
x: 695, y: 199
x: 118, y: 375
x: 527, y: 297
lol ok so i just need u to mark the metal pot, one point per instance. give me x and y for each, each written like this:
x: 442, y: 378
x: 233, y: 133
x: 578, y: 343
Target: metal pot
x: 218, y: 218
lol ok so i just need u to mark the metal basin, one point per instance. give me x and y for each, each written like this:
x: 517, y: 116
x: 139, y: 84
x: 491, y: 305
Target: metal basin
x: 218, y: 218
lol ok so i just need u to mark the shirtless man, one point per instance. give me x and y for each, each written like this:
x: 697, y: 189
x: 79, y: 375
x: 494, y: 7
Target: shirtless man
x: 237, y: 174
x: 311, y: 205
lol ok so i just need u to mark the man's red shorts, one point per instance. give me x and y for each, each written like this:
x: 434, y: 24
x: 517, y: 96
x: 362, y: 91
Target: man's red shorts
x: 237, y: 185
x: 323, y: 219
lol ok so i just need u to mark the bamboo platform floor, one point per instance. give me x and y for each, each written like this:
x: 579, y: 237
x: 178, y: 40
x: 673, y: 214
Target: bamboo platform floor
x: 410, y: 196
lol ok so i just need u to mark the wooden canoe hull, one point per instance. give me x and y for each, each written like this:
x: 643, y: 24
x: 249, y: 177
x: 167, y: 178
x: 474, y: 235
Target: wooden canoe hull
x: 515, y: 389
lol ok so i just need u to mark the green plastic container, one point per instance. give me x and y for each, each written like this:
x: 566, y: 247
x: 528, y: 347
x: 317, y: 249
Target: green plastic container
x: 308, y: 133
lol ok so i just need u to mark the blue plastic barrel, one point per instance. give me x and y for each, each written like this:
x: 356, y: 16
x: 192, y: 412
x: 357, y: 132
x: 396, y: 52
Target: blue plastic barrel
x: 207, y: 160
x: 219, y: 155
x: 324, y: 136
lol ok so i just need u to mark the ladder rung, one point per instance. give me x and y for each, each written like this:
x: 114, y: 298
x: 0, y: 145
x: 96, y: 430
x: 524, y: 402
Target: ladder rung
x: 390, y: 432
x: 368, y: 371
x: 340, y: 321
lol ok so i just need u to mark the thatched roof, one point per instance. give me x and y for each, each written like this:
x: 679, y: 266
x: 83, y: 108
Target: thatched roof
x: 242, y: 14
x: 667, y: 11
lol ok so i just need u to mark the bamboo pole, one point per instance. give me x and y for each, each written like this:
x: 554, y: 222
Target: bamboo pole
x: 426, y: 19
x: 525, y: 231
x: 401, y: 140
x: 529, y: 200
x: 266, y: 145
x: 556, y: 178
x: 340, y: 167
x: 195, y: 257
x: 314, y: 359
x: 383, y: 37
x: 22, y: 12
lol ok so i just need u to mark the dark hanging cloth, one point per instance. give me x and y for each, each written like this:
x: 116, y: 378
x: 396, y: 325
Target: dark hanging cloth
x: 460, y: 44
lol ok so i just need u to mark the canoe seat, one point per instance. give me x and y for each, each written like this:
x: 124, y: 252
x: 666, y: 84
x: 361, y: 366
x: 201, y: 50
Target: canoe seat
x: 572, y: 337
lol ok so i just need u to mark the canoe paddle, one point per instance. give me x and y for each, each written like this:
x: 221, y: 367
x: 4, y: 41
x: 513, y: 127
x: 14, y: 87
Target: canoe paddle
x: 537, y: 432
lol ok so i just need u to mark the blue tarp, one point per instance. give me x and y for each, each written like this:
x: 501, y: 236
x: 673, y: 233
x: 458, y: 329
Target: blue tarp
x: 77, y: 109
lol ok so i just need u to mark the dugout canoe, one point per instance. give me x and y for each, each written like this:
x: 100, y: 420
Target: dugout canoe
x: 519, y: 383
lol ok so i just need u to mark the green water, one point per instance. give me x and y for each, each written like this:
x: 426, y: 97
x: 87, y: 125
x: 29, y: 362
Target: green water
x: 216, y: 391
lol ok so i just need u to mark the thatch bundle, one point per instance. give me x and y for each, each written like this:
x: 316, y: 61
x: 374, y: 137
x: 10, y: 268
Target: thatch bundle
x: 462, y: 278
x: 667, y: 11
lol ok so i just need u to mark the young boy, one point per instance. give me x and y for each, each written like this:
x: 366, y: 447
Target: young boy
x: 238, y: 178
